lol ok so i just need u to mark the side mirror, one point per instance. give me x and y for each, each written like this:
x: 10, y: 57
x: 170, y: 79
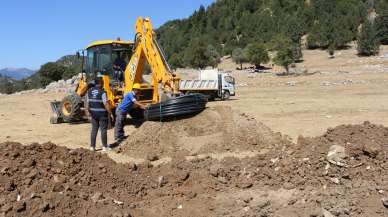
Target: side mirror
x: 78, y: 55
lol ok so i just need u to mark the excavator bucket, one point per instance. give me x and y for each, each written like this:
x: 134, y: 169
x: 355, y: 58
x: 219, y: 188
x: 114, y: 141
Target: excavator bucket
x: 69, y: 110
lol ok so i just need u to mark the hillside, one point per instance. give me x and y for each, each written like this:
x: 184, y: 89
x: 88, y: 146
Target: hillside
x: 228, y: 24
x: 16, y: 73
x: 6, y: 84
x: 64, y: 68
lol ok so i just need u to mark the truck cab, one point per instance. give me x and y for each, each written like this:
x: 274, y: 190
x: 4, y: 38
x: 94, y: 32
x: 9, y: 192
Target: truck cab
x: 228, y: 85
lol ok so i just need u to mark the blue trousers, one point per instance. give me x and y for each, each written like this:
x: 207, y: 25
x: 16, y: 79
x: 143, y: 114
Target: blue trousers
x: 119, y: 124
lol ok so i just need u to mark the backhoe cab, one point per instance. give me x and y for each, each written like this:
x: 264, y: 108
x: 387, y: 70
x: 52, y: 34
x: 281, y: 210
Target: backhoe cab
x: 121, y: 65
x: 106, y: 59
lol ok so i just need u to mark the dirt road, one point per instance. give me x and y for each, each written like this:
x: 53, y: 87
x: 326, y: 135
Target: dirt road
x: 307, y: 108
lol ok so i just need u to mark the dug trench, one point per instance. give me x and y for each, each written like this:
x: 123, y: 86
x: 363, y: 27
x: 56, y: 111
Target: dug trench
x: 230, y: 165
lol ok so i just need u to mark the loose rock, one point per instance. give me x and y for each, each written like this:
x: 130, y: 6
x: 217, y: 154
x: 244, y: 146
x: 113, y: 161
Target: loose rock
x: 337, y: 155
x: 371, y: 149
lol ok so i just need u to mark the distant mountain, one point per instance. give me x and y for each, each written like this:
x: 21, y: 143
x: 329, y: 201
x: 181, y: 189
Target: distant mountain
x: 16, y: 73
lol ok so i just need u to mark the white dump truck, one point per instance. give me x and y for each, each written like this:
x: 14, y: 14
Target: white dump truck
x: 212, y: 83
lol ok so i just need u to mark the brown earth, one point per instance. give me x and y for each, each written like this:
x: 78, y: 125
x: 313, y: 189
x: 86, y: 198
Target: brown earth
x: 281, y: 179
x: 216, y: 130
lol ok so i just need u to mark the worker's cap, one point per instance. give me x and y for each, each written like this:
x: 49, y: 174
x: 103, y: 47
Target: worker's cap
x: 136, y: 86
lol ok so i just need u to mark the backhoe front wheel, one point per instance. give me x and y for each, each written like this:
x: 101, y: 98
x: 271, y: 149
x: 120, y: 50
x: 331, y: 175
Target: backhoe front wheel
x: 71, y: 108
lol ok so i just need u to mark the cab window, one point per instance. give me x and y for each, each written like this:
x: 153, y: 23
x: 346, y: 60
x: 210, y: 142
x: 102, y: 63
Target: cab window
x: 229, y: 79
x: 99, y: 60
x: 120, y: 56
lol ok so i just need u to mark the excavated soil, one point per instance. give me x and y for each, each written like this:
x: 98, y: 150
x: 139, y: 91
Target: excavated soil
x: 283, y: 179
x: 216, y: 130
x: 47, y: 180
x: 356, y: 188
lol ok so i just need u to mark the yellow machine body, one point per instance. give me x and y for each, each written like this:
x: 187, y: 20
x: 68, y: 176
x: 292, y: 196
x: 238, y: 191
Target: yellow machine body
x: 99, y: 61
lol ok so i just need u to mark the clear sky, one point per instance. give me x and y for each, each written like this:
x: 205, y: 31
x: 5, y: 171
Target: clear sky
x: 33, y: 32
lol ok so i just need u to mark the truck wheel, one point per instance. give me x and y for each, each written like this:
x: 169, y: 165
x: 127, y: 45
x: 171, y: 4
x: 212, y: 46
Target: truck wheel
x: 226, y: 95
x: 71, y: 108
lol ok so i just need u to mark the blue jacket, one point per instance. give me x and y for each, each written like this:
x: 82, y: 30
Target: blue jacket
x: 127, y: 102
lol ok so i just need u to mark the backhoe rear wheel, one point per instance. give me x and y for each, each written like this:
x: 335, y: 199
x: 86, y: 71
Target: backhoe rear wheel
x: 71, y: 108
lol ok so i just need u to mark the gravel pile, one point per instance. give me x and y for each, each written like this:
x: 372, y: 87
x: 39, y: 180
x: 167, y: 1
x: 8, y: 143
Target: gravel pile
x: 61, y: 86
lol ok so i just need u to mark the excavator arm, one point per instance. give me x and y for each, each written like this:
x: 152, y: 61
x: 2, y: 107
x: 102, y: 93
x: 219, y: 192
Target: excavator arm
x: 147, y: 50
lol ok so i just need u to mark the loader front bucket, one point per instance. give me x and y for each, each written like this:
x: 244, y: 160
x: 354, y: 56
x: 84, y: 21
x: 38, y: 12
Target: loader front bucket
x: 56, y: 117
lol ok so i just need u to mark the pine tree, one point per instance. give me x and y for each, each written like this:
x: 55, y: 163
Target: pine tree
x: 176, y: 61
x: 256, y: 54
x: 382, y: 21
x: 200, y: 55
x: 367, y: 41
x: 212, y: 55
x: 239, y: 57
x: 229, y: 24
x: 280, y: 41
x: 297, y: 53
x: 331, y: 49
x: 195, y: 54
x: 284, y: 56
x: 50, y: 72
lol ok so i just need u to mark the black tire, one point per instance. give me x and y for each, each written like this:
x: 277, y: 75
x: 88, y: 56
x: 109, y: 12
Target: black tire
x: 187, y: 105
x: 71, y: 108
x: 211, y: 97
x: 226, y: 95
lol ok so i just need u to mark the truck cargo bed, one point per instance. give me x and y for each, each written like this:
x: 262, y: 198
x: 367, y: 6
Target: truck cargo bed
x: 198, y: 85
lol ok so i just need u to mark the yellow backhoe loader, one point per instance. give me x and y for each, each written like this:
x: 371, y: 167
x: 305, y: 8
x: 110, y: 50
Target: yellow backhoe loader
x: 121, y: 65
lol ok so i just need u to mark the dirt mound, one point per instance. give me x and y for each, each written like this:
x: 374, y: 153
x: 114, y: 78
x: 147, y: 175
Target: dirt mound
x: 52, y: 181
x: 359, y: 140
x: 283, y: 180
x: 287, y: 179
x: 313, y: 184
x: 215, y: 130
x: 47, y: 180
